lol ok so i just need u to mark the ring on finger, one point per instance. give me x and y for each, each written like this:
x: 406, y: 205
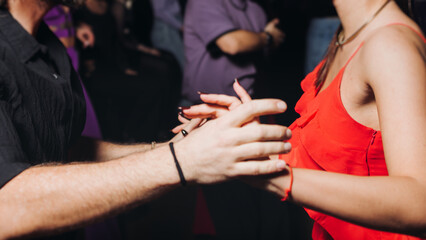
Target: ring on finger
x: 184, y: 132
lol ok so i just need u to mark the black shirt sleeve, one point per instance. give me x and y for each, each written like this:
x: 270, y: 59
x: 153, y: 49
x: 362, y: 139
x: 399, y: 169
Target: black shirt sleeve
x: 12, y: 157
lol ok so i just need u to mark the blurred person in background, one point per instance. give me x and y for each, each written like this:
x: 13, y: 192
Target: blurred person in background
x: 167, y: 28
x: 225, y: 40
x: 322, y: 26
x: 157, y: 66
x: 125, y: 76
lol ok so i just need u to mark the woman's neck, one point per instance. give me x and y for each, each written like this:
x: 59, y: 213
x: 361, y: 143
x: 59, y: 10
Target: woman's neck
x: 354, y: 13
x: 29, y: 13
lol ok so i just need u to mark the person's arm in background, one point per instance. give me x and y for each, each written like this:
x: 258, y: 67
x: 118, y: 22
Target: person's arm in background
x: 85, y: 34
x: 243, y: 41
x: 129, y: 41
x: 211, y: 23
x: 52, y: 198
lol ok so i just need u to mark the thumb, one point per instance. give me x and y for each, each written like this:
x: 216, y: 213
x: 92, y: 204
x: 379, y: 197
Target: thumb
x: 276, y: 21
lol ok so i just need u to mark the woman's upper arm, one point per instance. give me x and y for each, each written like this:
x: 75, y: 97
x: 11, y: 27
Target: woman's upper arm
x: 394, y: 66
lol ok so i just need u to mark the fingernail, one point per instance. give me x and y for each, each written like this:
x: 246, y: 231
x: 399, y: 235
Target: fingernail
x: 282, y: 106
x: 236, y: 80
x: 183, y: 115
x: 281, y: 165
x: 287, y: 146
x: 288, y: 133
x: 180, y: 109
x: 200, y: 93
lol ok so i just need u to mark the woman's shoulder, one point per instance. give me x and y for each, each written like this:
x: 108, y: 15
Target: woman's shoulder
x: 394, y: 43
x: 395, y: 38
x: 392, y: 56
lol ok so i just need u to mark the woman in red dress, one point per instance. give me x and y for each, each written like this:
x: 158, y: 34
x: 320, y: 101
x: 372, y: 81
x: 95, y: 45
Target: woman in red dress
x: 359, y: 145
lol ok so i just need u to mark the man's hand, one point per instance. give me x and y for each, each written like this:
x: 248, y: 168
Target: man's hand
x: 229, y: 147
x: 277, y: 35
x: 85, y: 34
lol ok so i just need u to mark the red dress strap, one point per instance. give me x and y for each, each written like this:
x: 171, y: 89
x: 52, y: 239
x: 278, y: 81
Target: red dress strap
x: 353, y: 55
x: 411, y: 28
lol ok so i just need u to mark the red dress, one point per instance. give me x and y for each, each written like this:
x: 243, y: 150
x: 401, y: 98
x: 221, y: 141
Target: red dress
x: 327, y: 138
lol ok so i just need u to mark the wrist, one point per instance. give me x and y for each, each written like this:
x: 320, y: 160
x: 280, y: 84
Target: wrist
x: 288, y: 184
x: 178, y: 167
x: 269, y: 39
x: 184, y: 161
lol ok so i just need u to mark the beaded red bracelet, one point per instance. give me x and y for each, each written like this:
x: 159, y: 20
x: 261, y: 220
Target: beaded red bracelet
x: 288, y: 190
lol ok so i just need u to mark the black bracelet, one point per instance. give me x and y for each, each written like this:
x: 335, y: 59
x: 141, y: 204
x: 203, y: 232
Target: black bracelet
x: 179, y: 169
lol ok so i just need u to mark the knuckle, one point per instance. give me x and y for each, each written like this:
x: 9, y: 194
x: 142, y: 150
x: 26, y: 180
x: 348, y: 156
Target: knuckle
x: 251, y: 107
x: 259, y: 151
x: 223, y: 140
x: 235, y: 99
x: 283, y: 133
x: 256, y: 170
x: 231, y: 171
x: 260, y: 132
x: 227, y: 141
x: 268, y: 168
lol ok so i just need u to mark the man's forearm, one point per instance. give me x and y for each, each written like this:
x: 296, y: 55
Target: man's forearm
x: 88, y: 149
x: 242, y: 41
x: 53, y: 198
x: 108, y: 151
x: 47, y: 198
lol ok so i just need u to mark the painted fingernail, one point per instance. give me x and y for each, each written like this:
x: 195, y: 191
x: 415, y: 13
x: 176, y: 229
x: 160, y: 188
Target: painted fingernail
x: 183, y: 115
x: 288, y: 133
x: 281, y: 165
x: 180, y: 109
x: 282, y: 105
x: 287, y: 146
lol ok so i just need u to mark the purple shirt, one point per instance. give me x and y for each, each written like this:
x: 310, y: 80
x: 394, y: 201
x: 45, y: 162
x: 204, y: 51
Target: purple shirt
x: 205, y: 21
x: 60, y: 22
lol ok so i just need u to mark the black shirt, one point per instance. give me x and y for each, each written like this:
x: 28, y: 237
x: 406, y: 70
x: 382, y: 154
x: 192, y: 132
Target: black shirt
x: 42, y: 107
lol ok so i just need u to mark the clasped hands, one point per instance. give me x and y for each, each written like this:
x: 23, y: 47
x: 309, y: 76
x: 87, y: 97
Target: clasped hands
x: 232, y: 143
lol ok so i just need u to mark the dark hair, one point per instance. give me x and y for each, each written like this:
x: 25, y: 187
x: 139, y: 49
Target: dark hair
x: 405, y: 6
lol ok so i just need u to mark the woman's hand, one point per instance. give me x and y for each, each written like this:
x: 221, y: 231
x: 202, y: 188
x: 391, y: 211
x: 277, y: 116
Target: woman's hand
x: 217, y: 105
x: 188, y: 126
